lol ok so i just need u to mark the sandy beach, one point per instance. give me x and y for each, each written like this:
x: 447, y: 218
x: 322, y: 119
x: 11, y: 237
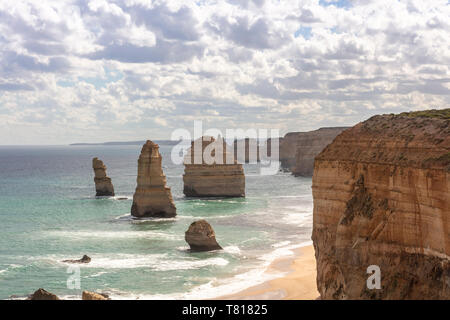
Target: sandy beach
x: 298, y: 284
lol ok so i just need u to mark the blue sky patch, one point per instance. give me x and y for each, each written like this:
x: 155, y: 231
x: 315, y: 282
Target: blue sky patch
x: 303, y: 31
x: 338, y: 3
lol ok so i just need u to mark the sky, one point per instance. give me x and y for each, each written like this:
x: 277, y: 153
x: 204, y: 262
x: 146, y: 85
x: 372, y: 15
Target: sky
x: 95, y: 71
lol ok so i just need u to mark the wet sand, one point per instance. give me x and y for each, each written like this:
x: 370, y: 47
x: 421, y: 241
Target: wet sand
x: 298, y: 284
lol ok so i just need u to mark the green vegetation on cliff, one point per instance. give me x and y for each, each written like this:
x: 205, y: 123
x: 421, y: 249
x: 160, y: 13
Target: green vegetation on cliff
x: 433, y: 113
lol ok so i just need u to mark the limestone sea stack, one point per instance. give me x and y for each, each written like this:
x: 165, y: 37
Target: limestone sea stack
x: 152, y: 197
x: 382, y: 198
x: 201, y: 237
x: 309, y: 145
x: 212, y: 177
x: 103, y: 184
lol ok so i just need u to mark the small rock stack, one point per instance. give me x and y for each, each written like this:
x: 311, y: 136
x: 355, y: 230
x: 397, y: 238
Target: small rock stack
x: 103, y: 185
x: 152, y: 197
x: 201, y: 237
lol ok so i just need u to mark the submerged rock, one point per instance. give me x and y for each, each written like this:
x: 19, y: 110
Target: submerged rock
x: 201, y: 237
x: 210, y: 171
x: 103, y: 184
x: 84, y: 259
x: 152, y: 197
x: 88, y: 295
x: 42, y: 294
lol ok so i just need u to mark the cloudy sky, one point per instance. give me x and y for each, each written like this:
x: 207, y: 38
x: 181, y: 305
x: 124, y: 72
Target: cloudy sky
x: 94, y: 71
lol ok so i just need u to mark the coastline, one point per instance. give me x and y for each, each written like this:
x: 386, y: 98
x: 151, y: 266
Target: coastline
x: 298, y: 284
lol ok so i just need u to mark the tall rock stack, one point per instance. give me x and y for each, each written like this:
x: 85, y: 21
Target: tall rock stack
x: 212, y: 177
x: 152, y: 197
x: 103, y: 184
x: 382, y: 200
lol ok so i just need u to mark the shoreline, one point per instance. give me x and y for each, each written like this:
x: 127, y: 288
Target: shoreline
x: 299, y: 282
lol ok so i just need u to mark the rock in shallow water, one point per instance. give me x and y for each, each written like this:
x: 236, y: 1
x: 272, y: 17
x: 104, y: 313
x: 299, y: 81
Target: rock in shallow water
x: 84, y: 259
x: 201, y: 237
x: 42, y: 294
x: 103, y: 184
x: 152, y: 197
x: 210, y: 170
x: 88, y: 295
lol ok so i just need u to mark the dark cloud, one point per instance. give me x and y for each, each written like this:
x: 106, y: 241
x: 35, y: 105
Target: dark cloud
x: 307, y: 16
x: 163, y: 52
x: 256, y: 35
x: 248, y: 3
x: 167, y: 24
x: 13, y: 62
x: 45, y: 48
x: 15, y: 87
x: 434, y: 87
x: 262, y: 88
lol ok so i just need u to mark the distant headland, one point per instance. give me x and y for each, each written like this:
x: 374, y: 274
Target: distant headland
x: 126, y: 143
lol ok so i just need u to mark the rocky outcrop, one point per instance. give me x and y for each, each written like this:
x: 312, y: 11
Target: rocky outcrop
x: 382, y: 197
x: 42, y: 294
x: 212, y: 175
x: 309, y: 145
x: 103, y: 184
x: 84, y: 259
x: 88, y: 295
x: 152, y: 197
x: 201, y: 237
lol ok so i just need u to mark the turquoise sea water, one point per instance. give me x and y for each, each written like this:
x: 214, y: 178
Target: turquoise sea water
x: 49, y: 213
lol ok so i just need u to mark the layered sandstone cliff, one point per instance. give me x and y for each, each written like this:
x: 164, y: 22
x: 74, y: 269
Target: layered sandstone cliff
x: 298, y: 149
x: 382, y: 197
x: 309, y: 145
x: 103, y: 184
x: 152, y: 197
x: 211, y: 171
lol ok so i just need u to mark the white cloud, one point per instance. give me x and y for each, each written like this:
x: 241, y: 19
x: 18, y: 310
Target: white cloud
x: 98, y: 70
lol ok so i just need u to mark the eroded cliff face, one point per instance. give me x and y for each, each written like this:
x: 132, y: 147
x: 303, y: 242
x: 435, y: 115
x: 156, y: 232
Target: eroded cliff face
x: 298, y: 149
x: 309, y: 145
x: 382, y: 197
x: 288, y: 148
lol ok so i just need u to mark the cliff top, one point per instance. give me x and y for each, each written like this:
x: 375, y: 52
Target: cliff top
x: 433, y: 113
x: 416, y: 139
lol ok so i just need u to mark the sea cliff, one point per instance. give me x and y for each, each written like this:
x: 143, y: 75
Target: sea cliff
x: 309, y: 145
x: 298, y: 149
x: 382, y: 198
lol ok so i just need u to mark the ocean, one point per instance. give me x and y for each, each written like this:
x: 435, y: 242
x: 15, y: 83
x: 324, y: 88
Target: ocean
x: 49, y: 213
